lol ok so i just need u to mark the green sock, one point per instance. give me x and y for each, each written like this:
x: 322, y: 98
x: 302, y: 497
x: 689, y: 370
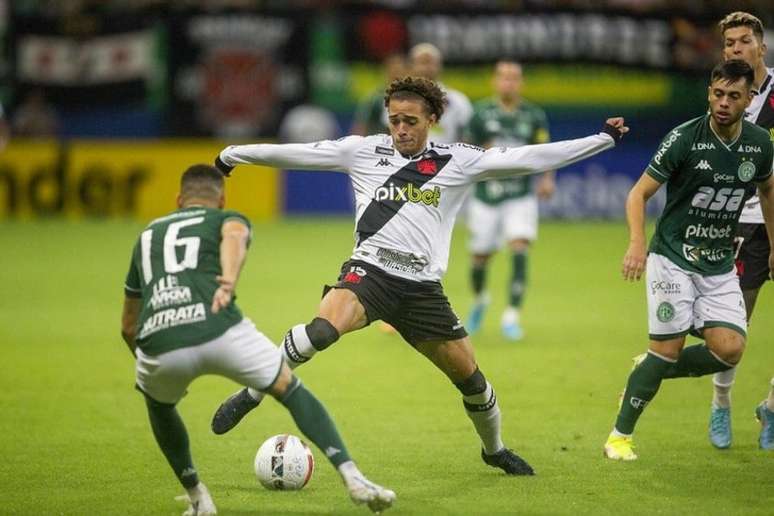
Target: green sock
x: 642, y: 386
x: 518, y: 279
x: 478, y: 278
x: 696, y: 360
x: 172, y: 438
x: 314, y: 422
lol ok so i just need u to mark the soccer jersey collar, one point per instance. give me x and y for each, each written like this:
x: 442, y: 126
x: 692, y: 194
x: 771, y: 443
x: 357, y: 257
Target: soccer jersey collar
x: 765, y: 85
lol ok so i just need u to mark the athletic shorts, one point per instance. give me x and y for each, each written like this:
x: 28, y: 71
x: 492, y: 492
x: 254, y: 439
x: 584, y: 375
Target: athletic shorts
x: 682, y: 302
x: 242, y: 354
x: 492, y: 225
x: 418, y: 310
x: 752, y: 255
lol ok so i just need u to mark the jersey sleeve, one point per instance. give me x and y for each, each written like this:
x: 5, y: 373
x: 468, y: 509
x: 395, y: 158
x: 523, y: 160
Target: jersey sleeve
x: 765, y: 173
x: 335, y: 155
x: 669, y: 156
x: 229, y: 215
x: 132, y: 285
x: 502, y: 162
x: 474, y: 130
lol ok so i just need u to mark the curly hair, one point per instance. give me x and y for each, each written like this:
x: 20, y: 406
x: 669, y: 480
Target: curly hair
x: 413, y: 88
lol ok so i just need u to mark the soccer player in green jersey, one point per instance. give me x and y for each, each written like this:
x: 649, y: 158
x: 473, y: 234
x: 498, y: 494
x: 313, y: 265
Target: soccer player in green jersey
x: 742, y: 36
x: 180, y: 321
x: 505, y: 210
x: 371, y: 116
x: 709, y: 164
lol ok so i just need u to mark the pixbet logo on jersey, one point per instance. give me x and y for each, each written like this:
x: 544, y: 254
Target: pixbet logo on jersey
x: 408, y: 193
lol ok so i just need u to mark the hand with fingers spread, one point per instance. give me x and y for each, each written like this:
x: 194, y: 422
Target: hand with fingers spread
x: 634, y: 261
x: 223, y: 294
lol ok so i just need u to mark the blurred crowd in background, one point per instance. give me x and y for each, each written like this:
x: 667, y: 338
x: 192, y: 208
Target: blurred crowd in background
x: 299, y: 70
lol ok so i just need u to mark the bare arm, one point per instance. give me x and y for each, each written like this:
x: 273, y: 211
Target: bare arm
x: 233, y: 251
x: 129, y: 318
x: 634, y: 259
x: 532, y: 159
x: 766, y: 194
x: 323, y: 155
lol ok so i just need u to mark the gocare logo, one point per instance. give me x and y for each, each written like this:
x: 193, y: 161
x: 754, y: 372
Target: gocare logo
x: 673, y: 136
x: 408, y: 193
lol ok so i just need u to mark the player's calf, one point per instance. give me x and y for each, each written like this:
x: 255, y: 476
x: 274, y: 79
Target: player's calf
x: 480, y: 403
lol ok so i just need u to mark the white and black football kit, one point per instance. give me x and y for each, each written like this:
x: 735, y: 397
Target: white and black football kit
x: 405, y: 212
x: 752, y: 261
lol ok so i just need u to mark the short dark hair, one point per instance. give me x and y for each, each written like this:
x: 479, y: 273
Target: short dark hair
x: 742, y: 19
x: 733, y: 70
x: 201, y: 182
x: 418, y: 88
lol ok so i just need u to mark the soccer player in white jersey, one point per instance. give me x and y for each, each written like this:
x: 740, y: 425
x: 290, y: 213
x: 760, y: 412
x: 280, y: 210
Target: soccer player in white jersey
x: 742, y: 35
x: 426, y: 61
x: 408, y: 190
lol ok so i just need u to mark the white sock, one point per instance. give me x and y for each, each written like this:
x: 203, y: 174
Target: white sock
x: 296, y: 346
x: 510, y: 315
x: 619, y: 434
x: 770, y: 399
x: 483, y: 298
x: 256, y: 395
x: 483, y: 410
x: 349, y: 471
x: 723, y: 381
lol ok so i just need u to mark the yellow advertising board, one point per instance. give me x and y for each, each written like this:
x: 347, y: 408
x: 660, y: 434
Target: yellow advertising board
x: 102, y: 178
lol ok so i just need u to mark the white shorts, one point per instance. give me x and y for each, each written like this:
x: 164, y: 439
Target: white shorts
x: 492, y: 225
x: 242, y: 354
x: 682, y: 302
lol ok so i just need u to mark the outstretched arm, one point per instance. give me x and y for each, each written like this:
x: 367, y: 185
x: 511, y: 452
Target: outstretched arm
x: 636, y: 254
x: 322, y: 155
x: 532, y: 159
x: 233, y: 251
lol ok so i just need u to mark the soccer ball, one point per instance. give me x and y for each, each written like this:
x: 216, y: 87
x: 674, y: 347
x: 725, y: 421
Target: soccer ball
x: 284, y: 462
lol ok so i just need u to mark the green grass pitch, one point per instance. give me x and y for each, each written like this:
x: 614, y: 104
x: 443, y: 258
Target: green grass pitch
x: 75, y: 439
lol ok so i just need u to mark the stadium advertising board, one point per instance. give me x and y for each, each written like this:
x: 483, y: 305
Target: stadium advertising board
x: 117, y: 178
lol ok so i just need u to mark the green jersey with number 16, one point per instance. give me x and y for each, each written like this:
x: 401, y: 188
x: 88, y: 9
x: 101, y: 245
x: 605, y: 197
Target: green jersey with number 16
x: 708, y: 181
x: 173, y: 270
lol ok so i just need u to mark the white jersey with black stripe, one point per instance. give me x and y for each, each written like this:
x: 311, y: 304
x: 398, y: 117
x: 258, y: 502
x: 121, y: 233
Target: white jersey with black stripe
x: 406, y: 206
x: 751, y: 213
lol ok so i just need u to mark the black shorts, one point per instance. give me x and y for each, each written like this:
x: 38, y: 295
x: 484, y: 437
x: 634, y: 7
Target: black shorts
x: 752, y: 255
x: 418, y: 310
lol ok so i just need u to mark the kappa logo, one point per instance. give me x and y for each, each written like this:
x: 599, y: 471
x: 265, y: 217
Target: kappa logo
x: 703, y: 165
x: 384, y: 162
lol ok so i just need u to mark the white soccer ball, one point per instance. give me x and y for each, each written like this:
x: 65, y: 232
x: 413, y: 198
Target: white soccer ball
x: 284, y: 462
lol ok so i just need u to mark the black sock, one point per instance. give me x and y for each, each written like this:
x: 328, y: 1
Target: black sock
x: 478, y: 278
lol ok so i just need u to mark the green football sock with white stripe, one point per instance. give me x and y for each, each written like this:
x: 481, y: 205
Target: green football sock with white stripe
x: 172, y: 437
x: 314, y: 422
x: 696, y: 360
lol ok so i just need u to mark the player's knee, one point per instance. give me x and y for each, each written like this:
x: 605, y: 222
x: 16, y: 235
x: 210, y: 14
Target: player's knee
x: 473, y: 384
x: 321, y: 333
